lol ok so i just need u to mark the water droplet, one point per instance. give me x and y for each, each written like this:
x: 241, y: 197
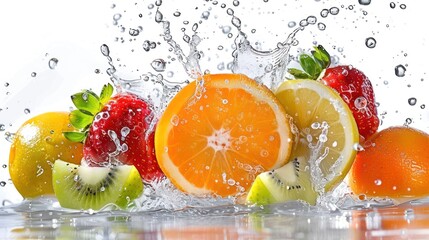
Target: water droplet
x: 175, y: 120
x: 408, y: 121
x: 85, y: 96
x: 231, y: 182
x: 158, y: 65
x: 358, y: 147
x: 400, y: 70
x: 236, y: 3
x: 221, y: 66
x: 105, y: 50
x: 315, y: 125
x: 224, y: 101
x: 303, y: 23
x: 176, y: 14
x: 412, y: 101
x: 264, y: 153
x: 370, y: 42
x: 125, y: 131
x: 117, y: 16
x: 194, y: 27
x: 39, y: 171
x: 134, y: 32
x: 291, y: 24
x: 226, y: 29
x: 33, y: 74
x: 53, y: 63
x: 334, y: 10
x: 26, y: 111
x: 205, y: 15
x: 364, y: 2
x: 2, y: 127
x: 158, y: 16
x: 403, y: 6
x: 378, y: 182
x: 236, y: 22
x: 311, y: 20
x: 392, y: 5
x: 324, y: 13
x: 9, y: 136
x: 360, y: 102
x: 321, y: 26
x: 422, y: 106
x: 2, y: 183
x: 323, y: 138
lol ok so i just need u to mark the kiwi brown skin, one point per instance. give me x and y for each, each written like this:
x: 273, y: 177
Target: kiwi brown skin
x: 290, y: 182
x: 117, y: 185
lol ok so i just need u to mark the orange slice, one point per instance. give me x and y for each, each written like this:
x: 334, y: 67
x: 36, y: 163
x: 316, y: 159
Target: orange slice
x: 218, y: 139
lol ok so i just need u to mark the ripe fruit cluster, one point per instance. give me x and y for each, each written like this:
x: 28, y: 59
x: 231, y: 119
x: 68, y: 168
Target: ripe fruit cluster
x: 228, y: 137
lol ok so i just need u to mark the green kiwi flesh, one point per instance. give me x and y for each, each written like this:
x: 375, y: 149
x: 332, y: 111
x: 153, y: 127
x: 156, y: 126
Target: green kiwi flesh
x: 83, y: 187
x: 290, y: 182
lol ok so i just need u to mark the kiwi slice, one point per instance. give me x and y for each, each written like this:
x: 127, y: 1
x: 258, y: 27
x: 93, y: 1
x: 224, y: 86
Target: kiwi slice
x: 290, y: 182
x: 84, y: 187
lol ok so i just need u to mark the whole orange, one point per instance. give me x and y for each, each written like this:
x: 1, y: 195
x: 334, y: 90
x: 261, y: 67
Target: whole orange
x: 394, y: 164
x: 35, y: 147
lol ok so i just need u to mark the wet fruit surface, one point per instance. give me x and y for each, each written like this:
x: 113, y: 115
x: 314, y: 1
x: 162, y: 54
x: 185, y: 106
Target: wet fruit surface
x: 326, y: 134
x: 38, y: 143
x: 394, y: 163
x: 218, y: 138
x: 120, y: 133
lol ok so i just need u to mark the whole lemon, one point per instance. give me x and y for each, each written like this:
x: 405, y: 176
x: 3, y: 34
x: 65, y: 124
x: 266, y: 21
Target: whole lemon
x: 35, y: 147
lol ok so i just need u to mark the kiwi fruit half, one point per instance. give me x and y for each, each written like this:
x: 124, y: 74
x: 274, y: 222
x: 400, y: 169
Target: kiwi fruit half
x: 84, y: 187
x: 290, y: 182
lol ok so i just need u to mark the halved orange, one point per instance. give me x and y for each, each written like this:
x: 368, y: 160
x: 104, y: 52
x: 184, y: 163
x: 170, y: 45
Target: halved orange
x: 215, y: 139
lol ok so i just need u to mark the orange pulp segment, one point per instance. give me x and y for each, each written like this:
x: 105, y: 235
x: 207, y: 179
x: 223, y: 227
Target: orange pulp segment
x: 218, y: 139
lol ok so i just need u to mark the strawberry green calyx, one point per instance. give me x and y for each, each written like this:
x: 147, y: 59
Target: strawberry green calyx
x: 88, y: 104
x: 312, y: 65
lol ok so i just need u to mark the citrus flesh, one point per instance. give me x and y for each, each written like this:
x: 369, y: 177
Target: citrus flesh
x: 327, y: 132
x: 326, y: 135
x: 36, y: 145
x: 216, y: 137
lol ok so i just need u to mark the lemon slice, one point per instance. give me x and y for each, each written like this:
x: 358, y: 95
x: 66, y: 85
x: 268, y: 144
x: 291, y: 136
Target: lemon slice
x: 326, y: 140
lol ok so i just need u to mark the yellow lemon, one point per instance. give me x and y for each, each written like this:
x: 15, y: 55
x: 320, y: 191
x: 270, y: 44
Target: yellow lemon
x: 35, y: 147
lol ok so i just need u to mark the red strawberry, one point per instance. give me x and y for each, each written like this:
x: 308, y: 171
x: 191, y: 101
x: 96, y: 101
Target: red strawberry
x: 115, y: 130
x: 352, y: 85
